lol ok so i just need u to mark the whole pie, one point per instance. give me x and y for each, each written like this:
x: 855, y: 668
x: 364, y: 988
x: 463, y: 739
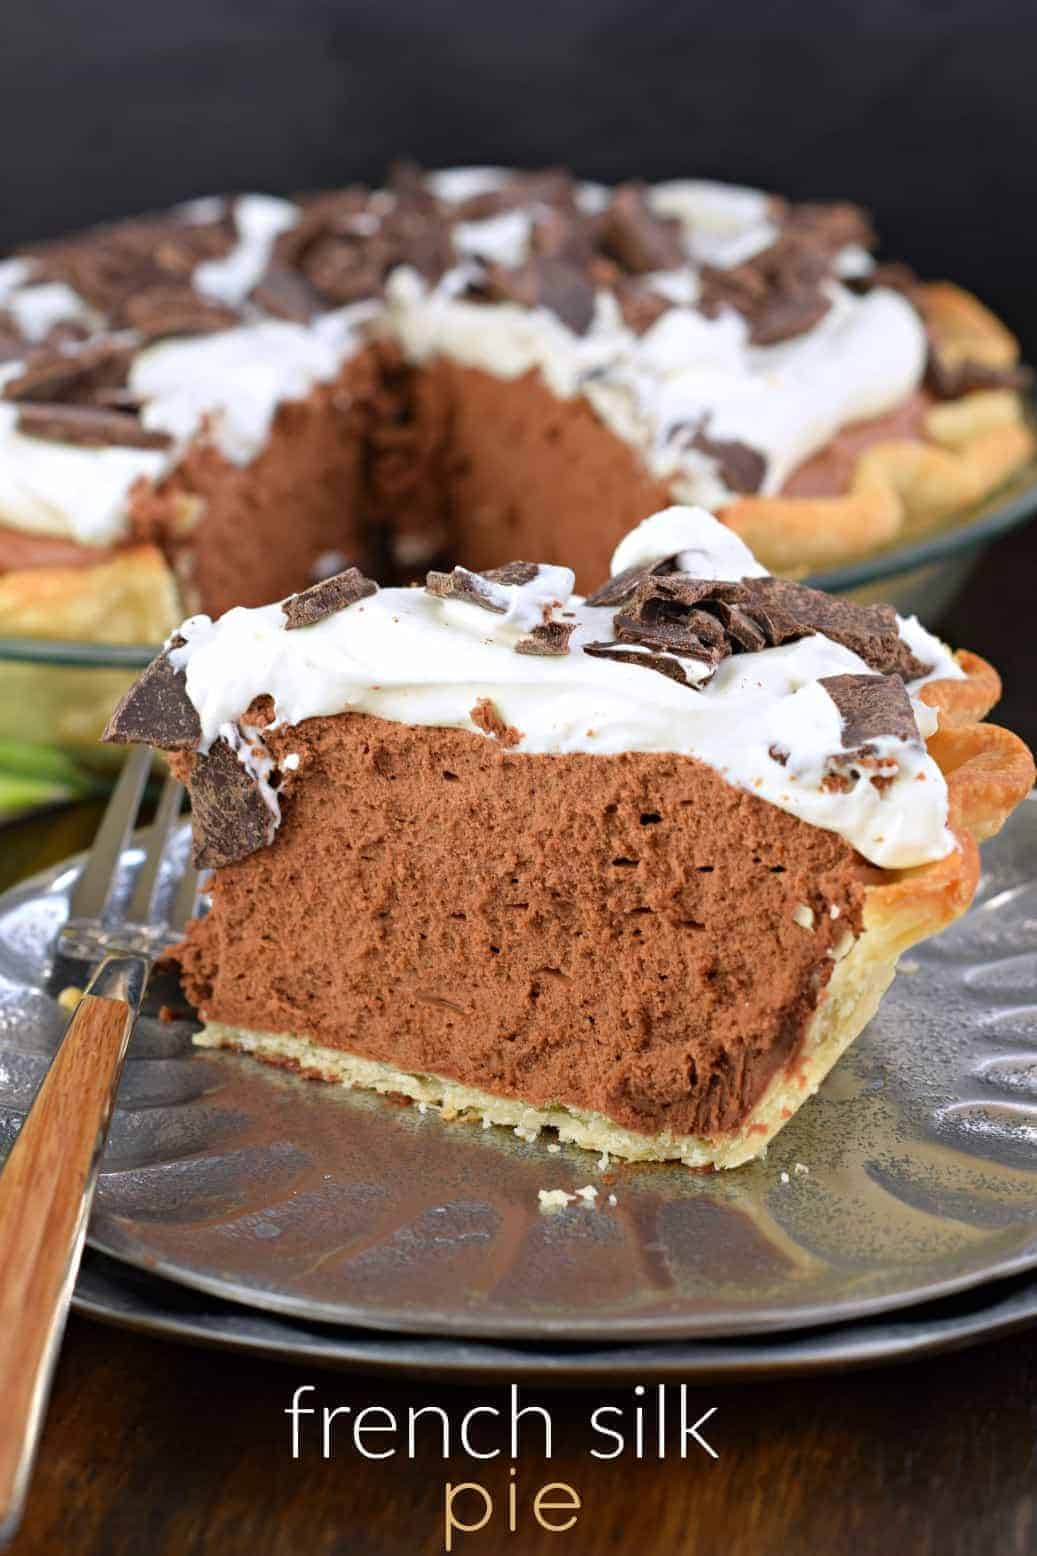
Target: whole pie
x: 636, y: 868
x: 227, y: 402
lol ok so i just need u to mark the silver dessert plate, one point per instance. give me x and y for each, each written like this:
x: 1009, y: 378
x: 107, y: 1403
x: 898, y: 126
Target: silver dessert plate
x: 912, y: 1174
x: 129, y: 1299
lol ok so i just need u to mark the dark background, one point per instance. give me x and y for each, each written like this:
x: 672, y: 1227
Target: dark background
x: 923, y: 109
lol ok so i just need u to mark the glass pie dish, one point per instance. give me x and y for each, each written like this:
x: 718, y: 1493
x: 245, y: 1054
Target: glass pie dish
x: 58, y: 693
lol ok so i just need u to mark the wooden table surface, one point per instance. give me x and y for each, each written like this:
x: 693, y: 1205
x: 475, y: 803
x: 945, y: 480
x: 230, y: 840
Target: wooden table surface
x: 157, y: 1449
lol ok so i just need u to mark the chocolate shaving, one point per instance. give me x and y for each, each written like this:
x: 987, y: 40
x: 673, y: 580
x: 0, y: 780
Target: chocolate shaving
x: 50, y: 372
x: 12, y: 345
x: 91, y: 426
x: 663, y: 663
x: 787, y: 610
x: 665, y: 615
x: 705, y: 619
x: 514, y: 574
x: 741, y: 467
x: 109, y: 266
x: 229, y: 816
x: 746, y: 635
x: 326, y: 598
x: 871, y: 707
x: 780, y: 291
x: 552, y: 187
x: 950, y: 382
x: 158, y: 311
x: 549, y: 639
x: 623, y: 586
x: 482, y: 589
x: 545, y: 282
x: 287, y: 295
x: 633, y: 234
x: 639, y: 305
x: 830, y: 225
x: 784, y: 317
x: 156, y: 710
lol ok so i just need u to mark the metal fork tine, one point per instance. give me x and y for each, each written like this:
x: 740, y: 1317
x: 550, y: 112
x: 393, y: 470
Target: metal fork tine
x: 168, y: 809
x: 186, y: 897
x: 92, y: 890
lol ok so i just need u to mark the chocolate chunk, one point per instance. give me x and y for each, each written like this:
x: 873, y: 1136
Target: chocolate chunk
x: 513, y: 573
x: 564, y: 232
x: 483, y: 589
x: 662, y: 662
x: 623, y: 586
x: 550, y: 189
x: 633, y: 234
x: 787, y: 610
x: 665, y: 615
x: 784, y: 317
x: 780, y: 291
x: 549, y: 639
x: 566, y: 292
x: 545, y: 282
x: 871, y: 707
x: 287, y: 295
x: 895, y: 276
x: 832, y: 225
x: 326, y: 598
x: 741, y: 467
x: 949, y: 382
x: 53, y: 372
x: 13, y: 345
x: 639, y: 305
x: 745, y: 634
x: 156, y: 710
x: 706, y: 619
x: 158, y: 311
x: 229, y: 816
x: 91, y: 426
x: 345, y: 270
x: 111, y: 265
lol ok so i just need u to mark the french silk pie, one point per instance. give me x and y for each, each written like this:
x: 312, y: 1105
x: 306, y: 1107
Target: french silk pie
x: 219, y: 405
x: 636, y: 867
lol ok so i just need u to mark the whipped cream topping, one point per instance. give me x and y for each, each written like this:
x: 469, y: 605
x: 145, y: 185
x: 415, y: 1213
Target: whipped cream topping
x: 687, y: 371
x: 234, y: 381
x: 787, y: 400
x: 500, y: 240
x: 702, y: 547
x: 61, y: 490
x: 259, y: 220
x: 412, y: 657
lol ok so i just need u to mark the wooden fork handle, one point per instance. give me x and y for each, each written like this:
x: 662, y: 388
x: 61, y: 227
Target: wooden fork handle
x: 46, y: 1190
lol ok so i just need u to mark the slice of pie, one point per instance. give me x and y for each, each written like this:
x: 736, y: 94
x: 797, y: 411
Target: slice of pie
x: 636, y: 868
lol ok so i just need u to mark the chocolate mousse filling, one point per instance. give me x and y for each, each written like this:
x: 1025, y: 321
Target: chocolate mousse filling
x: 394, y: 468
x: 557, y: 961
x: 829, y: 472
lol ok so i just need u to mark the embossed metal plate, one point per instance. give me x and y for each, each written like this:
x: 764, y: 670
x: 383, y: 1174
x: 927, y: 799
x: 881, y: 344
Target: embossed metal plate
x: 920, y: 1154
x: 132, y: 1300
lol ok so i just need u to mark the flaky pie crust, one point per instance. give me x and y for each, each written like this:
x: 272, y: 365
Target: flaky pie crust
x: 903, y: 487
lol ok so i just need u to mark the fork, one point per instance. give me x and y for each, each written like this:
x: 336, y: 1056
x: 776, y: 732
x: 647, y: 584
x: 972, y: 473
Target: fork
x: 47, y: 1185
